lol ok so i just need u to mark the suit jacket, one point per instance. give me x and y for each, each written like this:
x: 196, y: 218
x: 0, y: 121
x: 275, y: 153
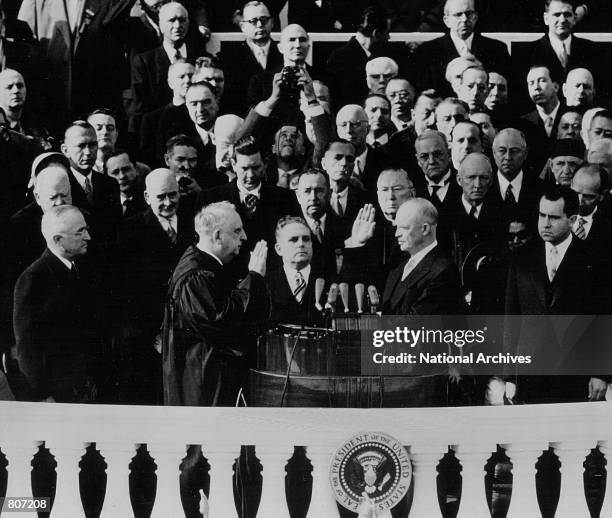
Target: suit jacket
x: 324, y: 253
x: 240, y: 65
x: 528, y: 198
x: 538, y: 141
x: 150, y: 88
x: 151, y: 148
x: 285, y: 308
x: 106, y: 207
x: 208, y: 331
x: 355, y: 200
x: 431, y: 288
x: 376, y: 161
x: 58, y: 330
x: 430, y: 59
x: 146, y: 260
x: 308, y: 14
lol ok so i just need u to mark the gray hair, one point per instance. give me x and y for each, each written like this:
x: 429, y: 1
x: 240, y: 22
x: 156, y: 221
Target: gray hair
x: 54, y: 221
x: 211, y: 216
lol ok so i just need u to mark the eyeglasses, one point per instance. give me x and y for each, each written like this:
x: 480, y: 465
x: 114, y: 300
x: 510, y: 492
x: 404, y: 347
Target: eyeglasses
x: 261, y: 20
x: 381, y: 76
x: 351, y: 124
x: 436, y: 155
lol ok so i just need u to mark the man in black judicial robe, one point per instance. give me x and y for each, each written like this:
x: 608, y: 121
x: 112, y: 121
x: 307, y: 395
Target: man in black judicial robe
x: 208, y: 327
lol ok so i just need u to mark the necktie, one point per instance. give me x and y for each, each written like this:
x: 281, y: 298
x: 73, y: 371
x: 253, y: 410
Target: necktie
x: 548, y: 124
x: 88, y: 190
x: 580, y: 231
x: 177, y: 55
x: 473, y: 213
x: 300, y: 286
x: 337, y: 205
x: 376, y: 144
x: 553, y: 262
x: 564, y: 56
x: 408, y: 268
x: 171, y: 232
x: 250, y: 202
x: 434, y: 193
x: 463, y: 48
x: 509, y: 198
x: 317, y: 231
x: 74, y: 271
x: 127, y: 205
x: 261, y: 57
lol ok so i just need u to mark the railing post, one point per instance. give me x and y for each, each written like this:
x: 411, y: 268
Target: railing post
x: 425, y: 459
x: 19, y: 456
x: 473, y: 458
x: 572, y: 500
x: 273, y: 495
x: 606, y: 449
x: 168, y: 457
x: 221, y: 495
x: 67, y: 503
x: 524, y: 498
x: 322, y: 504
x: 117, y: 500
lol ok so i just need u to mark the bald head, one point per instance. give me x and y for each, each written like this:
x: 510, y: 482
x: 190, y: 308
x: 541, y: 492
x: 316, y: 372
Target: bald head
x: 379, y: 71
x: 510, y: 152
x: 12, y: 90
x: 294, y: 44
x: 226, y: 128
x: 416, y: 222
x: 173, y: 23
x: 52, y: 187
x: 579, y: 88
x: 162, y: 192
x: 475, y: 176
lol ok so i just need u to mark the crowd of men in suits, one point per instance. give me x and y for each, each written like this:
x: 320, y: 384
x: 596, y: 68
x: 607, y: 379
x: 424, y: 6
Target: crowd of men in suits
x: 155, y: 238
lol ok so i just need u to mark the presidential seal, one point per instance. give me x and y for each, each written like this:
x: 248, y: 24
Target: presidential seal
x: 372, y: 463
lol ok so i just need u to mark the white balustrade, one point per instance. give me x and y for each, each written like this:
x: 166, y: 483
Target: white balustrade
x: 606, y: 448
x: 168, y: 457
x: 221, y: 495
x: 425, y: 459
x: 473, y: 457
x: 524, y: 500
x: 322, y: 503
x: 117, y: 499
x: 572, y: 501
x: 67, y: 454
x: 273, y: 495
x: 19, y: 455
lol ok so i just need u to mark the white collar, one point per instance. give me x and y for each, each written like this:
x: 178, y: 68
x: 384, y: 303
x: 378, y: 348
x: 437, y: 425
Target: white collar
x: 66, y: 262
x: 205, y: 135
x: 361, y: 160
x: 442, y: 183
x: 468, y: 206
x: 171, y: 50
x: 290, y: 273
x: 458, y: 42
x: 516, y: 184
x: 400, y: 124
x: 543, y: 115
x: 173, y: 221
x: 383, y: 139
x: 80, y: 177
x: 561, y: 247
x: 415, y: 259
x: 312, y: 222
x: 255, y: 49
x: 589, y: 218
x: 558, y: 44
x: 244, y: 192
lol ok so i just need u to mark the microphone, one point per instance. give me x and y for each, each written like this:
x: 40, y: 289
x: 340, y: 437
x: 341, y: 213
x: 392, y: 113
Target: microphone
x: 344, y: 294
x: 359, y: 293
x: 374, y: 298
x: 319, y: 287
x: 332, y: 296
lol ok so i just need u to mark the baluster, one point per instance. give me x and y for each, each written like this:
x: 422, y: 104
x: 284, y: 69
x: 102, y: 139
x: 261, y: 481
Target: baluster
x: 168, y: 458
x: 425, y: 459
x: 221, y: 495
x: 572, y: 501
x: 273, y: 495
x: 322, y: 503
x: 117, y: 500
x: 67, y: 494
x: 606, y: 449
x: 524, y: 500
x: 473, y: 458
x: 19, y: 457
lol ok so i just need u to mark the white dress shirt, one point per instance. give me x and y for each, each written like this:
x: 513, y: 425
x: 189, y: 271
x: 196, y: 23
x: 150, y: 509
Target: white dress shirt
x: 360, y: 162
x: 559, y: 45
x: 205, y: 135
x: 260, y: 52
x: 463, y: 46
x: 468, y: 206
x: 544, y: 116
x: 168, y: 222
x: 339, y: 198
x: 80, y: 177
x: 516, y: 184
x: 553, y: 261
x: 171, y: 51
x: 587, y: 222
x: 443, y: 185
x: 244, y: 192
x: 290, y: 273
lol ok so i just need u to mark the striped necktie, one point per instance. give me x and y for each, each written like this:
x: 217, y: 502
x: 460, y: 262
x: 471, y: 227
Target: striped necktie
x: 300, y: 286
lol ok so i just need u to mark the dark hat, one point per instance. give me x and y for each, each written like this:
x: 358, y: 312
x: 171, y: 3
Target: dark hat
x: 567, y: 147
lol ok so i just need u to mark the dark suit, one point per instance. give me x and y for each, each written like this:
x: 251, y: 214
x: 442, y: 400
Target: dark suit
x: 573, y: 291
x: 308, y: 14
x: 528, y: 198
x: 285, y: 308
x: 538, y: 141
x: 376, y: 161
x: 431, y: 288
x: 240, y: 65
x: 151, y: 148
x: 150, y: 88
x: 335, y: 232
x: 57, y: 324
x: 432, y: 57
x: 106, y: 208
x: 355, y: 200
x: 147, y: 258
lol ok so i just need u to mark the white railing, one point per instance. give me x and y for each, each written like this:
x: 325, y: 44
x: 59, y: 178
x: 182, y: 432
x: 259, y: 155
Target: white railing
x: 473, y: 433
x: 214, y: 45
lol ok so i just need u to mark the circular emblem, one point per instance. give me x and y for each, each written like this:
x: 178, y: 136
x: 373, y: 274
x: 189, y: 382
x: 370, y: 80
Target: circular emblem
x: 373, y: 463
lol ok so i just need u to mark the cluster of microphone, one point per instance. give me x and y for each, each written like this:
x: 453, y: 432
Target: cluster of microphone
x: 343, y: 289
